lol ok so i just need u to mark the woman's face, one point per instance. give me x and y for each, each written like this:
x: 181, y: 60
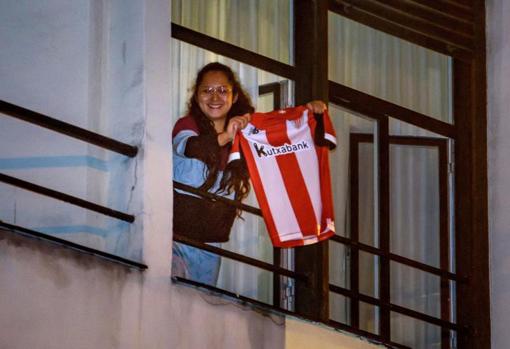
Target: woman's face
x: 214, y: 96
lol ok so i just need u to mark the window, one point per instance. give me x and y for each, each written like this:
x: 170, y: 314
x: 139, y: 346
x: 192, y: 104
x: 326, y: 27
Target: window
x: 398, y: 266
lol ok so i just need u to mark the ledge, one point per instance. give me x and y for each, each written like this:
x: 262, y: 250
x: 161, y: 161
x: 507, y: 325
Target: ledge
x: 77, y: 248
x: 268, y: 310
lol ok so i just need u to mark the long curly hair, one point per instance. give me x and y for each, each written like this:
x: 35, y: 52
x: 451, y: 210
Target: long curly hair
x: 235, y: 176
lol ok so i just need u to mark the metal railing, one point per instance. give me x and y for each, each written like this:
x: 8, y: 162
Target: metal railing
x: 275, y: 268
x: 87, y: 136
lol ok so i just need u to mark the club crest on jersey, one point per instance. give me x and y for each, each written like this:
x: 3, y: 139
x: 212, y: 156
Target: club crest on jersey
x: 263, y: 150
x: 254, y: 131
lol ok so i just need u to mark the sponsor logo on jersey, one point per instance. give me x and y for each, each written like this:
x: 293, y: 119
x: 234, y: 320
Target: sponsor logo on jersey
x: 263, y: 150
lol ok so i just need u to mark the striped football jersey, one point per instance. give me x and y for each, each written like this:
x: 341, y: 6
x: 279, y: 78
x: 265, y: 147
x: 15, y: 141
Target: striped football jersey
x: 288, y: 162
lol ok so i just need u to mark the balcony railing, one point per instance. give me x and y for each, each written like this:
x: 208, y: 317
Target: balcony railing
x: 81, y: 134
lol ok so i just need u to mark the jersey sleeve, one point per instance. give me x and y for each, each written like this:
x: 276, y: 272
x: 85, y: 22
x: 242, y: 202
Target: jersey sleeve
x: 325, y: 134
x: 235, y: 151
x: 186, y: 170
x: 184, y: 129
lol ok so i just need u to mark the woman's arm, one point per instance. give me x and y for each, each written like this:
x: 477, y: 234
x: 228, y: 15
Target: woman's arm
x: 235, y: 124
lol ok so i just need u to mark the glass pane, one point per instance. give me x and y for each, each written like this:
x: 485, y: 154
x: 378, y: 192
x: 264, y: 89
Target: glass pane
x: 339, y: 264
x: 287, y: 284
x: 414, y: 333
x: 246, y: 280
x: 367, y: 199
x: 265, y: 103
x: 354, y: 130
x: 414, y: 202
x: 389, y: 68
x: 339, y: 308
x: 453, y: 340
x: 401, y: 128
x: 415, y: 289
x: 249, y: 236
x: 369, y: 274
x: 369, y: 317
x: 453, y: 301
x: 261, y: 26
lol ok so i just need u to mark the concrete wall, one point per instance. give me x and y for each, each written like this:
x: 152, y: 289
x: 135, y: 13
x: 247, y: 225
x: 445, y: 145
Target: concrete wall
x: 80, y: 62
x: 52, y: 297
x: 305, y: 335
x: 498, y: 74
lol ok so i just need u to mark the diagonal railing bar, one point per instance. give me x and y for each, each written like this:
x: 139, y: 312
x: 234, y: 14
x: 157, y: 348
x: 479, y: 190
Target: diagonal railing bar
x: 380, y: 109
x: 66, y: 198
x: 72, y: 245
x: 67, y: 129
x: 239, y: 297
x: 399, y: 259
x: 232, y: 51
x: 396, y: 308
x: 206, y: 194
x: 241, y: 258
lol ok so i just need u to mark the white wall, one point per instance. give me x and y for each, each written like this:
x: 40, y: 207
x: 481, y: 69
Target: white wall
x: 498, y: 74
x: 44, y: 67
x: 103, y: 65
x: 80, y: 62
x: 305, y: 335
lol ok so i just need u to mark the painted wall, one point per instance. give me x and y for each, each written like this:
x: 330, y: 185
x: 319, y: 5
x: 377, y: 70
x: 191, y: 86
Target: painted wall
x: 103, y: 65
x: 80, y: 62
x: 498, y: 74
x: 305, y: 335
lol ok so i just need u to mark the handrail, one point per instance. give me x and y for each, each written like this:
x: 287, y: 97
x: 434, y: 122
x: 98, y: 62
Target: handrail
x: 380, y: 109
x: 396, y: 308
x: 208, y: 195
x: 70, y: 244
x: 65, y: 197
x: 67, y: 129
x: 239, y: 297
x: 238, y: 53
x: 241, y: 258
x: 394, y: 257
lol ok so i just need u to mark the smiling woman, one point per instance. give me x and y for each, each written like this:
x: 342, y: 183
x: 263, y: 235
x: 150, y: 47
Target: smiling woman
x: 217, y: 109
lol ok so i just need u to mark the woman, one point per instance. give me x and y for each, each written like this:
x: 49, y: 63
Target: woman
x: 218, y: 108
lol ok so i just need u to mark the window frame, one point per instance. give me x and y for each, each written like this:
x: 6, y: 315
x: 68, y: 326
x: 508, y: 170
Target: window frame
x: 468, y: 131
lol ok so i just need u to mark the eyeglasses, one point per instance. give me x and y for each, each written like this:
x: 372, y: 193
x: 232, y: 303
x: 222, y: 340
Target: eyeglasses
x: 222, y: 91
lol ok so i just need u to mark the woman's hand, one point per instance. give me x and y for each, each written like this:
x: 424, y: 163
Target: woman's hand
x: 317, y: 107
x: 235, y: 124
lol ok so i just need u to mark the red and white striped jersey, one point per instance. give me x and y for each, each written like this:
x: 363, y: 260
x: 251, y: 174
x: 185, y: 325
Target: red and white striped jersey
x: 290, y: 173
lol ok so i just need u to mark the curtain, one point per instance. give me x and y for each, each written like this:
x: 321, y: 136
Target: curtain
x: 418, y: 79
